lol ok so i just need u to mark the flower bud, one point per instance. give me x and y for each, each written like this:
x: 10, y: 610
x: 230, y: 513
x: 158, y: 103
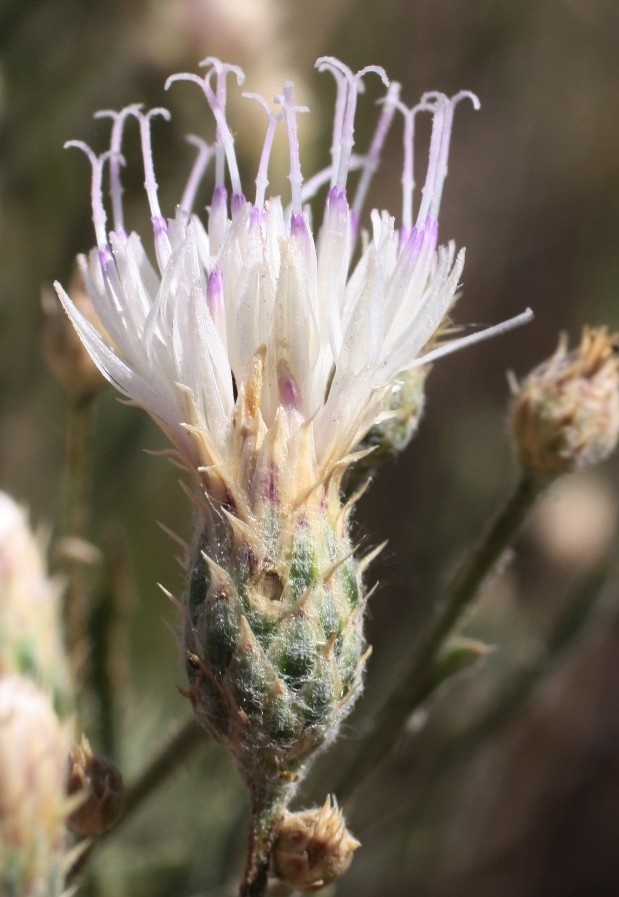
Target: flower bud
x: 33, y: 757
x: 565, y: 415
x: 312, y: 848
x: 392, y: 434
x: 63, y: 350
x: 98, y: 786
x: 273, y: 622
x: 30, y: 614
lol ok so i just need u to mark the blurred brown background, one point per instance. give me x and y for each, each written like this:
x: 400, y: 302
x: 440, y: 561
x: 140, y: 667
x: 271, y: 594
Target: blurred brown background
x: 533, y: 193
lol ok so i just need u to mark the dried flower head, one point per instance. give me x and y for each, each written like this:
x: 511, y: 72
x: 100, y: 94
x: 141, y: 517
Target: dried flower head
x: 97, y: 785
x: 30, y: 613
x: 565, y: 415
x: 312, y: 847
x: 33, y: 758
x: 266, y: 349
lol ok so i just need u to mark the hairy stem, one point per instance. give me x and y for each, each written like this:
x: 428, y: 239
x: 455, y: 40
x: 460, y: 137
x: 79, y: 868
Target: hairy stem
x: 411, y: 688
x: 267, y: 802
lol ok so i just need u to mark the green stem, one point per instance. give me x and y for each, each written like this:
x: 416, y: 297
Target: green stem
x: 77, y: 503
x: 160, y: 767
x: 267, y: 802
x: 411, y: 688
x: 180, y: 746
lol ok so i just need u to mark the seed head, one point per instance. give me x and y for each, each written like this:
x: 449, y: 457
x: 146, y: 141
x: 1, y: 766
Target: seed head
x: 97, y: 784
x: 565, y: 415
x: 312, y: 847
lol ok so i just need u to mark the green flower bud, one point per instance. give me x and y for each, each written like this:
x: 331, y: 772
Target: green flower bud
x: 392, y: 434
x: 273, y: 612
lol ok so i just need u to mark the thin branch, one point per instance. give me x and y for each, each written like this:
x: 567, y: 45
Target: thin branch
x: 411, y: 685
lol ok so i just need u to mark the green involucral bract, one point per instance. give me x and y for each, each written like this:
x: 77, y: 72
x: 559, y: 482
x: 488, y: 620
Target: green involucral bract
x: 273, y: 627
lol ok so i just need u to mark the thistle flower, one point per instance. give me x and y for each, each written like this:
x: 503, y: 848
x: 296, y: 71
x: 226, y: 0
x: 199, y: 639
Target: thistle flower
x: 266, y: 355
x: 30, y: 614
x: 565, y: 415
x: 33, y: 757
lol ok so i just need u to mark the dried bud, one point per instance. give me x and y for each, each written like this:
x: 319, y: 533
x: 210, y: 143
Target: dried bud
x: 33, y: 752
x: 565, y: 415
x: 30, y: 615
x: 98, y: 786
x: 313, y: 847
x: 63, y: 350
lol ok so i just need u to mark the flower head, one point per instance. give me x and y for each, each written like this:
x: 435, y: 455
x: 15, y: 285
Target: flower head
x: 33, y: 759
x: 267, y: 350
x: 251, y: 315
x: 312, y: 847
x: 565, y: 415
x: 30, y: 612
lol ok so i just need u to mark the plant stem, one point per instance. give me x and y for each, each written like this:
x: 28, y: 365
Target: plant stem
x: 267, y: 802
x: 411, y: 687
x: 160, y: 767
x: 183, y: 743
x: 77, y: 500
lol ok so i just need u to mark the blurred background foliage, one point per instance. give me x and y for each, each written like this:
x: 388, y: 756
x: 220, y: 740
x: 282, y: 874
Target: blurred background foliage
x: 533, y: 193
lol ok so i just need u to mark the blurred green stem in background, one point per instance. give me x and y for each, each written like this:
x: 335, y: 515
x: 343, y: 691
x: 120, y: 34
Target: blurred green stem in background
x: 75, y: 531
x: 594, y: 600
x: 412, y: 684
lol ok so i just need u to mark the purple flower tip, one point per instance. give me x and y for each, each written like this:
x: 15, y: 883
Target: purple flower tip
x: 289, y: 393
x: 337, y: 197
x: 414, y: 241
x: 159, y: 225
x: 220, y: 198
x: 258, y: 217
x: 215, y: 281
x: 298, y: 224
x: 238, y: 203
x: 106, y: 259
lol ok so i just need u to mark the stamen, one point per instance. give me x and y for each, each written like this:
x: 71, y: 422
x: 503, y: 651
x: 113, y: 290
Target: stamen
x: 318, y: 180
x: 205, y: 154
x: 217, y: 218
x: 150, y: 182
x: 429, y: 187
x: 372, y: 159
x: 408, y: 170
x: 289, y: 111
x: 117, y: 159
x: 262, y: 180
x: 342, y: 74
x: 224, y: 142
x: 342, y: 147
x: 99, y: 218
x: 163, y: 249
x: 444, y: 150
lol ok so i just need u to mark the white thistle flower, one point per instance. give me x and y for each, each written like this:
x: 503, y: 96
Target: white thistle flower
x: 252, y: 304
x: 267, y: 355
